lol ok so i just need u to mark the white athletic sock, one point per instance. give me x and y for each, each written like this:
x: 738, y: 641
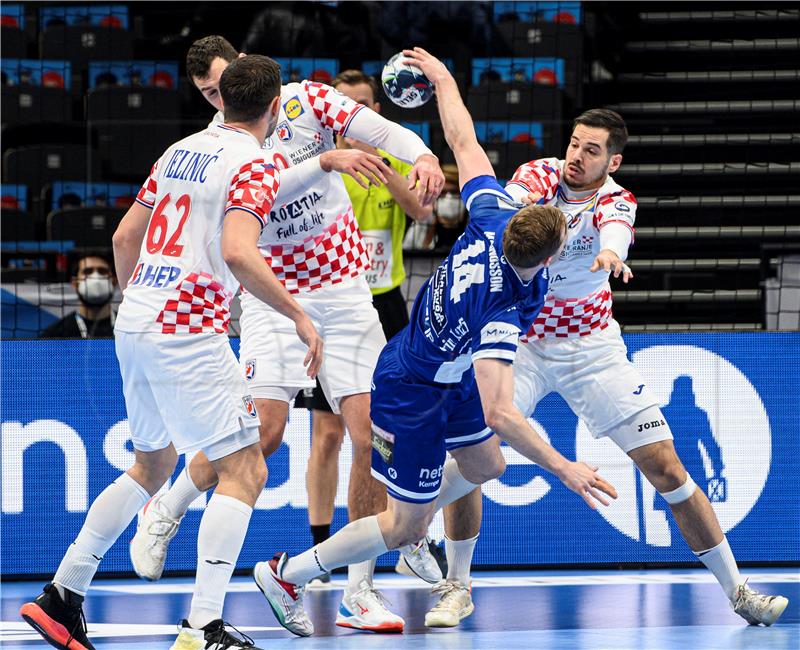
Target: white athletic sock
x: 109, y: 515
x: 357, y: 573
x: 720, y: 561
x: 358, y: 541
x: 454, y: 485
x: 180, y: 495
x: 219, y: 541
x: 459, y: 558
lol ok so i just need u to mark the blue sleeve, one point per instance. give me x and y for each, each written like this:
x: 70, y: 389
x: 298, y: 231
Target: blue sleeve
x: 485, y: 199
x: 499, y: 336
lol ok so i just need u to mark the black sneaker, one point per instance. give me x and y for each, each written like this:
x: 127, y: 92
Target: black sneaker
x: 61, y: 623
x: 213, y: 636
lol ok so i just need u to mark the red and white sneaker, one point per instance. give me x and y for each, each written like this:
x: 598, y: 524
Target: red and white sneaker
x: 285, y: 599
x: 366, y: 610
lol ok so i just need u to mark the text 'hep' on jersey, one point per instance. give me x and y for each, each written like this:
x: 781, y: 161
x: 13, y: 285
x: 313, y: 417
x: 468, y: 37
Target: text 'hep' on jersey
x: 475, y: 305
x: 181, y: 284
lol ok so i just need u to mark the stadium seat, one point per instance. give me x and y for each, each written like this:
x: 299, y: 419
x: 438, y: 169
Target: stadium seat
x: 18, y: 225
x: 35, y: 104
x: 134, y: 126
x: 90, y: 227
x: 523, y: 100
x: 82, y: 43
x: 38, y: 165
x: 12, y: 43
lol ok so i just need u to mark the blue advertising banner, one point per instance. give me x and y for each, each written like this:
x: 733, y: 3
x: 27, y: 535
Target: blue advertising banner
x: 731, y: 400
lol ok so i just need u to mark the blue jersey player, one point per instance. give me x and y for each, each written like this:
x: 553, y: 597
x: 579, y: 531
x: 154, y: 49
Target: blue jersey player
x: 445, y: 383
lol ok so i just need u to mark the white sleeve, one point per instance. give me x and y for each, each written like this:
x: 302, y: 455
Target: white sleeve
x: 616, y: 236
x: 367, y: 126
x: 299, y: 178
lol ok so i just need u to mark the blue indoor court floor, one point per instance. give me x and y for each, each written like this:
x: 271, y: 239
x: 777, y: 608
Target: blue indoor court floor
x: 545, y: 609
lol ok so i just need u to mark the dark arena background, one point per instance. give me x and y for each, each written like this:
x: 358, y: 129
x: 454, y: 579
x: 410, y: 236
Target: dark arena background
x: 93, y: 93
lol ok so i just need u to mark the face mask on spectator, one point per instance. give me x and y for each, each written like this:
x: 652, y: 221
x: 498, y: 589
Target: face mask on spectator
x: 449, y: 206
x: 95, y: 289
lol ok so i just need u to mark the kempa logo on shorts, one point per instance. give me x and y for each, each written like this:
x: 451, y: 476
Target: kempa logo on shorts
x: 723, y: 437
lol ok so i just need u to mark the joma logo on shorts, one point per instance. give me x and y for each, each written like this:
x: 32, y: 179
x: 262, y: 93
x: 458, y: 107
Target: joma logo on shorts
x: 651, y: 425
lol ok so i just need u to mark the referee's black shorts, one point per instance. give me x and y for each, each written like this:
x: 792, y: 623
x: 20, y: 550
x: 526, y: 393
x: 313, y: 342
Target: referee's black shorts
x: 393, y: 314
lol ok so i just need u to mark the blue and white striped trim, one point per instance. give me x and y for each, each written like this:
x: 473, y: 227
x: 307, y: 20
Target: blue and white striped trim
x: 403, y: 494
x: 472, y: 437
x: 147, y: 205
x: 488, y: 190
x: 495, y: 353
x: 261, y: 221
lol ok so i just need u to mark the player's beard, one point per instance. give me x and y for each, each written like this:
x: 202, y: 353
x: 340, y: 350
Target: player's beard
x: 272, y: 124
x: 590, y: 184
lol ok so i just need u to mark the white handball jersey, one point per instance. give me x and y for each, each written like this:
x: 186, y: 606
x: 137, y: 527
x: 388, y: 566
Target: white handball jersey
x: 578, y: 301
x: 312, y: 237
x: 181, y: 284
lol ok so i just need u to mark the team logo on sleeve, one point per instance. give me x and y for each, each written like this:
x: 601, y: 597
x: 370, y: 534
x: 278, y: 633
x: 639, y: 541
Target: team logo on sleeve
x: 250, y: 406
x: 250, y: 369
x: 284, y: 132
x: 293, y: 108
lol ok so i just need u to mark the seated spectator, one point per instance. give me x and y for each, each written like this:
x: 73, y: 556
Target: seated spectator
x: 95, y: 282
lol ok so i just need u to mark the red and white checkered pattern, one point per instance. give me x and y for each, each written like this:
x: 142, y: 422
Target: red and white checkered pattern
x: 335, y: 255
x: 572, y: 318
x: 253, y: 189
x: 331, y: 108
x: 202, y: 306
x: 148, y: 191
x: 540, y: 176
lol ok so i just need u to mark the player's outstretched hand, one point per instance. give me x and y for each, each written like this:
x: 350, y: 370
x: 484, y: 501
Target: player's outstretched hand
x: 608, y: 260
x: 355, y: 162
x: 428, y: 178
x: 431, y: 67
x: 308, y: 334
x: 585, y: 481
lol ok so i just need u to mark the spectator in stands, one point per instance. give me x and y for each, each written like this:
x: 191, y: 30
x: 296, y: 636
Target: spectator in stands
x: 450, y: 211
x: 95, y: 283
x: 69, y: 201
x: 381, y: 213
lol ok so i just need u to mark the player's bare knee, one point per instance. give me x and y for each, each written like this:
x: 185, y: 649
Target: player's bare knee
x: 327, y: 442
x: 270, y: 438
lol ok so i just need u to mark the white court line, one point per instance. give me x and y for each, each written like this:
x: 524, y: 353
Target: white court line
x: 21, y: 631
x: 700, y: 577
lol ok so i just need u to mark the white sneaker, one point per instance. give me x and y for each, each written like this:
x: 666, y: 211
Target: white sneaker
x: 149, y: 545
x: 419, y: 560
x: 757, y: 608
x: 366, y: 610
x: 454, y: 605
x: 285, y: 599
x: 213, y: 636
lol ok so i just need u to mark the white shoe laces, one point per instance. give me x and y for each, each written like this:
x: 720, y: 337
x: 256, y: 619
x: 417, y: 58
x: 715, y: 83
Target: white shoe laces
x: 162, y: 525
x: 448, y: 590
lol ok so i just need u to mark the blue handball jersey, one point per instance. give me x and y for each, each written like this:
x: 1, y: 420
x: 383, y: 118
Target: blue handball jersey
x: 475, y: 305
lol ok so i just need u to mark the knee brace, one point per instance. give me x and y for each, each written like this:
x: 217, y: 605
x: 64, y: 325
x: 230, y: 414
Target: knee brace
x: 681, y: 494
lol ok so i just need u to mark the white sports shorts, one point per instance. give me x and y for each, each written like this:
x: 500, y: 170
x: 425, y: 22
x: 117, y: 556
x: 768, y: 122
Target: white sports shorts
x: 271, y: 354
x: 593, y: 375
x: 187, y: 390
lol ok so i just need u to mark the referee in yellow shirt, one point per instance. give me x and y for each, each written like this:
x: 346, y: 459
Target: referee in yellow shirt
x: 381, y: 213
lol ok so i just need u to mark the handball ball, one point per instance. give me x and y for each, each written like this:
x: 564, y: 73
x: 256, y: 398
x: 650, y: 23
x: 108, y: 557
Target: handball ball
x: 405, y: 84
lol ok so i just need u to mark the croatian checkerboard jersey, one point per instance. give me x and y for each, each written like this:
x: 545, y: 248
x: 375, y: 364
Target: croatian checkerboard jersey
x: 181, y: 284
x: 578, y: 301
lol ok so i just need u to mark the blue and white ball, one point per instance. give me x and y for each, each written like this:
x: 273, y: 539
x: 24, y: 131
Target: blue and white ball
x: 405, y: 84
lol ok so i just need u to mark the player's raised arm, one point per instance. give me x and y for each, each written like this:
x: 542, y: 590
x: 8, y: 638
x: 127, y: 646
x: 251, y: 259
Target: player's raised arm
x: 459, y: 131
x: 495, y: 378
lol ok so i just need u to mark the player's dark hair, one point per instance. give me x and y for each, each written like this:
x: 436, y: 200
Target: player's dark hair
x: 353, y: 77
x: 203, y: 51
x: 603, y: 118
x: 534, y: 234
x: 248, y: 86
